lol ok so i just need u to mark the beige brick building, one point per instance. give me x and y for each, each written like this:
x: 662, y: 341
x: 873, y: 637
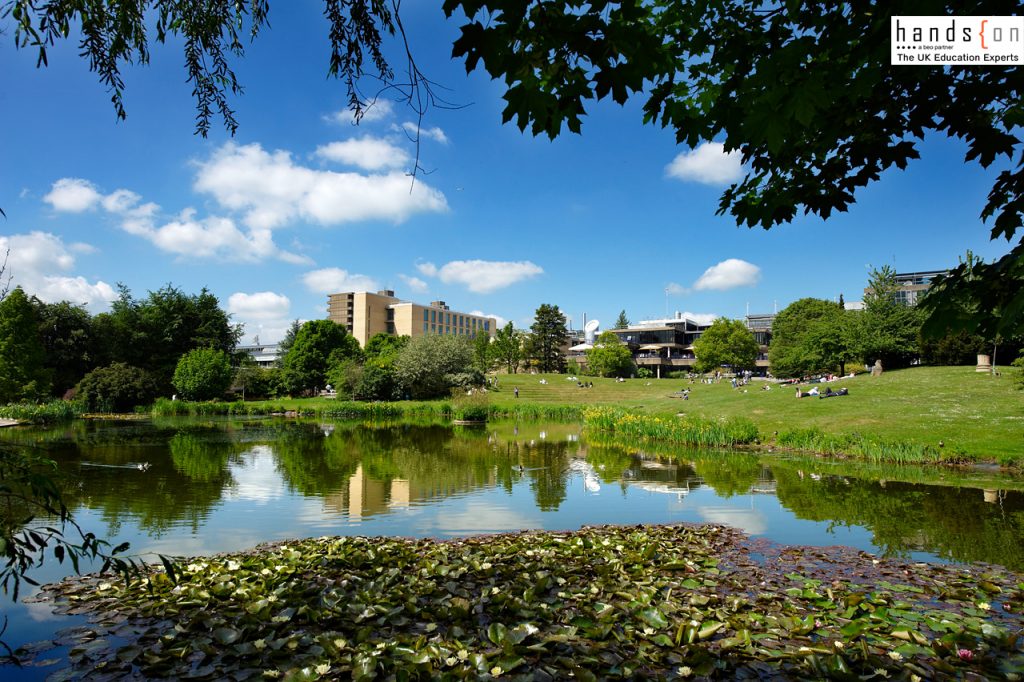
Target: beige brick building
x: 364, y: 314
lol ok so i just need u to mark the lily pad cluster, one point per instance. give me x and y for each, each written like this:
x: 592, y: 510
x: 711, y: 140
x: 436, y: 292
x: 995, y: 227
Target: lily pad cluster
x: 662, y: 602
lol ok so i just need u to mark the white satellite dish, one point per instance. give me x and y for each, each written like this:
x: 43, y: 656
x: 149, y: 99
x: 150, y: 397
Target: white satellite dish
x: 590, y: 331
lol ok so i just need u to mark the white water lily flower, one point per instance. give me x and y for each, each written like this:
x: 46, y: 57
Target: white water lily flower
x: 895, y: 655
x: 648, y: 631
x: 272, y: 674
x: 234, y: 565
x: 260, y: 644
x: 496, y: 671
x: 265, y: 571
x: 382, y: 645
x: 323, y: 669
x: 915, y: 678
x: 838, y: 644
x: 463, y: 654
x: 340, y: 643
x: 881, y: 672
x: 804, y: 649
x: 450, y: 661
x: 485, y: 565
x: 685, y: 671
x: 495, y: 590
x: 984, y: 605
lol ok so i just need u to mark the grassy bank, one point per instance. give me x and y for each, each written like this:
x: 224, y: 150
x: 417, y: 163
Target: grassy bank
x: 669, y: 602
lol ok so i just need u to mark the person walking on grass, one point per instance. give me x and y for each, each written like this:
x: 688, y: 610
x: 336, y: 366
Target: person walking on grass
x: 516, y: 391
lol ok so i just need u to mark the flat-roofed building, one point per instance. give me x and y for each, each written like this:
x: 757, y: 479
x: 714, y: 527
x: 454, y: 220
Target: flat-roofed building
x: 364, y: 314
x: 911, y: 286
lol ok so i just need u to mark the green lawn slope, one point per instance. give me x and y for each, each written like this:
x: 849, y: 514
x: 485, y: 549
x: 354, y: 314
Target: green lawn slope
x: 980, y: 413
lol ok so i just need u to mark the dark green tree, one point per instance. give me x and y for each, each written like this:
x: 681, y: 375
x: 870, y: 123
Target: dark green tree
x: 382, y: 345
x: 289, y: 337
x: 890, y: 330
x: 548, y: 337
x: 725, y: 342
x: 610, y: 357
x: 622, y: 321
x: 483, y: 357
x: 66, y: 331
x: 203, y: 374
x: 117, y: 388
x: 318, y: 345
x: 23, y: 372
x: 507, y: 348
x: 812, y: 335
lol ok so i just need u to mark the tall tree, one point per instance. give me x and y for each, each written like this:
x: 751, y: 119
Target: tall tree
x: 548, y: 335
x: 23, y: 374
x: 890, y: 330
x: 507, y: 348
x: 811, y: 335
x: 289, y: 337
x: 430, y: 366
x: 66, y: 331
x: 725, y: 342
x: 622, y: 321
x: 318, y: 344
x: 483, y: 356
x: 610, y: 357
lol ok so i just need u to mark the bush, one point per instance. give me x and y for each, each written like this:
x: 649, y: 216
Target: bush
x: 644, y: 373
x: 116, y: 388
x: 202, y: 374
x: 377, y: 382
x: 1019, y: 378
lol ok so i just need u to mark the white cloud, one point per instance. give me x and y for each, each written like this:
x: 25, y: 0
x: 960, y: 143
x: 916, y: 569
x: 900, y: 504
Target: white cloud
x: 482, y: 276
x: 708, y: 163
x: 428, y: 269
x: 728, y: 274
x: 73, y: 195
x: 369, y: 153
x: 40, y: 263
x: 415, y: 284
x: 435, y: 133
x: 336, y: 280
x: 271, y: 190
x: 501, y: 321
x: 262, y: 305
x: 377, y: 110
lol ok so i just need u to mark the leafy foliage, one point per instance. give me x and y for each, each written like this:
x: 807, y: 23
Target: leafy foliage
x: 889, y: 330
x: 507, y: 348
x: 430, y: 366
x: 548, y: 335
x: 119, y: 387
x: 725, y: 342
x: 610, y: 357
x: 70, y: 347
x: 23, y: 374
x: 812, y: 335
x: 203, y: 374
x: 652, y: 602
x: 622, y: 321
x: 954, y: 348
x: 318, y: 345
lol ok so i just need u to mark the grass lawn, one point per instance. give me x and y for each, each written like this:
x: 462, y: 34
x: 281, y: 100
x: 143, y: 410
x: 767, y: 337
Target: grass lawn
x: 980, y: 413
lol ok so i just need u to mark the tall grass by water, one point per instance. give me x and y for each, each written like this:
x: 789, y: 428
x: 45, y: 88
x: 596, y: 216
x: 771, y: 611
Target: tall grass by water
x: 869, y: 448
x: 688, y: 430
x: 43, y: 413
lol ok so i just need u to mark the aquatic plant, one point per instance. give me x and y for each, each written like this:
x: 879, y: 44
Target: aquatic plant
x: 688, y: 430
x: 625, y: 602
x: 42, y: 413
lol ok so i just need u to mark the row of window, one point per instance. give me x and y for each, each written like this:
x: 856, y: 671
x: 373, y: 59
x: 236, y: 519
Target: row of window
x: 442, y: 329
x: 454, y: 320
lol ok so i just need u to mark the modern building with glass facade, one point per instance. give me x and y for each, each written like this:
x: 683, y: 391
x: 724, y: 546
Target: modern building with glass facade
x: 364, y: 314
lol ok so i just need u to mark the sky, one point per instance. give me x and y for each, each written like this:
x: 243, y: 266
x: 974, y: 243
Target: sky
x: 301, y: 202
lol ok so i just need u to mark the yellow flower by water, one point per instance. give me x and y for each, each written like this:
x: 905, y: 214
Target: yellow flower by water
x: 463, y: 654
x: 895, y: 655
x: 984, y: 606
x: 450, y: 661
x: 323, y: 669
x: 496, y: 671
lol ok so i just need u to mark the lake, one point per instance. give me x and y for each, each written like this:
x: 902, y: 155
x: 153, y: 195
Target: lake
x: 216, y: 485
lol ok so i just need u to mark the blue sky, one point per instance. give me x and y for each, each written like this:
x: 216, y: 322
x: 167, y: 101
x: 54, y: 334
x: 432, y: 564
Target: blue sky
x: 301, y: 202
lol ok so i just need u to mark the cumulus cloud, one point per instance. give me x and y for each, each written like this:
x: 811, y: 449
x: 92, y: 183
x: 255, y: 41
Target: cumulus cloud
x: 265, y: 314
x: 369, y: 153
x: 701, y: 318
x: 709, y: 164
x: 73, y: 195
x: 336, y: 280
x: 415, y: 284
x: 729, y: 274
x: 435, y: 133
x: 40, y: 263
x: 270, y: 189
x: 482, y: 276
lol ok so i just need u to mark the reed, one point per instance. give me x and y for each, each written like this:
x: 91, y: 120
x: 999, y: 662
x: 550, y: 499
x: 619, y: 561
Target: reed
x: 689, y: 430
x: 42, y: 413
x: 869, y: 448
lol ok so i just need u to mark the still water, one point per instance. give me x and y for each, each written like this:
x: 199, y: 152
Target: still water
x: 221, y: 485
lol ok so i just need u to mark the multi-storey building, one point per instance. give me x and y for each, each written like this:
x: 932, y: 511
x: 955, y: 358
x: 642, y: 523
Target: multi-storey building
x: 364, y: 314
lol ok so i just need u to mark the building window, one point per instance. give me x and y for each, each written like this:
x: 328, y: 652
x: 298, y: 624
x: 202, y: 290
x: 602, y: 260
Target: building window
x: 433, y: 316
x: 426, y: 315
x: 433, y: 329
x: 487, y: 325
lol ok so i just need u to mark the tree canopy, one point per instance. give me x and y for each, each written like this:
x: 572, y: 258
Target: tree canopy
x: 23, y: 375
x: 318, y: 345
x: 809, y: 336
x: 547, y: 336
x: 725, y: 342
x: 609, y: 357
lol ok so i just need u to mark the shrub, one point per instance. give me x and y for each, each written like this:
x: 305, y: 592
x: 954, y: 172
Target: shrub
x: 116, y: 388
x: 202, y: 374
x: 644, y: 373
x: 1019, y: 378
